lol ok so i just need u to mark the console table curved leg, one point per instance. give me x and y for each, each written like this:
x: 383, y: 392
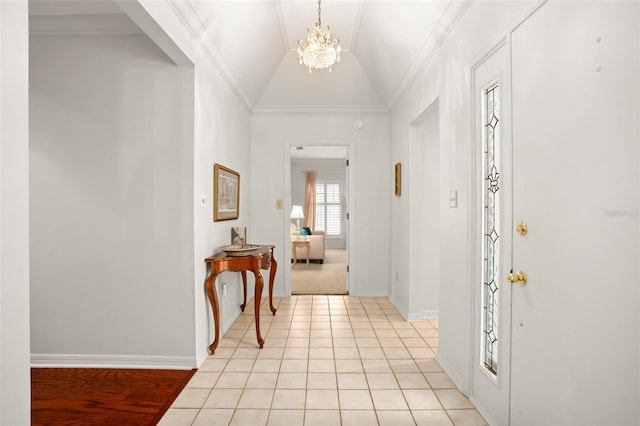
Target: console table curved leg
x: 256, y: 301
x: 212, y: 292
x: 272, y: 276
x: 244, y: 288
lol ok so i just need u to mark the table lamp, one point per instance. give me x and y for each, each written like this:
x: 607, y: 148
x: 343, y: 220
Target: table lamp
x: 297, y: 214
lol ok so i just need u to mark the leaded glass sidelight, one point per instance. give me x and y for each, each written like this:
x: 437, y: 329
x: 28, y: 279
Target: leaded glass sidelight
x: 490, y: 227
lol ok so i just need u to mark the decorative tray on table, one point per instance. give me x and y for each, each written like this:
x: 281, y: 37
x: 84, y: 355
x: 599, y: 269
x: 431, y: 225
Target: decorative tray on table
x: 239, y: 249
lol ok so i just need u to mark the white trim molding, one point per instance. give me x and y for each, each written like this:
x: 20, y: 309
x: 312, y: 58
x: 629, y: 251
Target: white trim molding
x: 399, y: 306
x: 430, y: 46
x: 423, y: 315
x: 200, y: 33
x: 307, y: 109
x: 451, y: 372
x: 112, y: 361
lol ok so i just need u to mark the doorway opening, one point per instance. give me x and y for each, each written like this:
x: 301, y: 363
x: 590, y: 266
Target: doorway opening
x: 318, y: 229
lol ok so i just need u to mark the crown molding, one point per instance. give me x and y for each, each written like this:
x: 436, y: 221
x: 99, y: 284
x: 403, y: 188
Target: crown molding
x: 430, y: 46
x: 193, y: 22
x: 82, y: 24
x: 311, y: 109
x: 283, y: 25
x: 356, y: 29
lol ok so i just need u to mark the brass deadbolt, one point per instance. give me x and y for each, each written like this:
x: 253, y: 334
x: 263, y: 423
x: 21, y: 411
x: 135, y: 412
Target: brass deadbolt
x: 522, y: 228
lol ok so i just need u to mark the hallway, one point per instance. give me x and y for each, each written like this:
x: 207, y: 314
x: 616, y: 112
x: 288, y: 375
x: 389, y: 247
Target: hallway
x: 327, y: 360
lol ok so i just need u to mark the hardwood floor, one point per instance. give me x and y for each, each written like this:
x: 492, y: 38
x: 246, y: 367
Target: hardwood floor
x: 103, y: 396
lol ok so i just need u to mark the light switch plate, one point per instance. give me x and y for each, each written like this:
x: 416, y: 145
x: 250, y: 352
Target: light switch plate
x: 453, y: 199
x: 203, y: 200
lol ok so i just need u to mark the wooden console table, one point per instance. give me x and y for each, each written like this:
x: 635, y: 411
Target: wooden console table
x: 262, y: 258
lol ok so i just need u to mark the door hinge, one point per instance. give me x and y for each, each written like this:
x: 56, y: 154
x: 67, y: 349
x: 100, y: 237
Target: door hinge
x: 347, y: 163
x: 347, y: 216
x: 347, y: 269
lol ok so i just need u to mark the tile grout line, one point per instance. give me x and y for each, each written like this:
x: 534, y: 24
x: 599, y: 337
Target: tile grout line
x: 337, y: 313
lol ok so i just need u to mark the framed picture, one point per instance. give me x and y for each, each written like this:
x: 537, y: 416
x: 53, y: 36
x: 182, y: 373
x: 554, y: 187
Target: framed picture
x: 226, y: 193
x: 238, y: 235
x: 398, y: 179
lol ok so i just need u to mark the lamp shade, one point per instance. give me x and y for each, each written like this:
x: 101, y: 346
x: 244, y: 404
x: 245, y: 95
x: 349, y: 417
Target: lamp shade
x: 296, y: 212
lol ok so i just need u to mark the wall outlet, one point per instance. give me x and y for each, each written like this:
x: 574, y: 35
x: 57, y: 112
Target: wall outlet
x: 224, y: 289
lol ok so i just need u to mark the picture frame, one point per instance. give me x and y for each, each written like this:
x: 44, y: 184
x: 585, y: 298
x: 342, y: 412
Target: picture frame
x: 398, y: 188
x: 226, y: 193
x: 238, y: 235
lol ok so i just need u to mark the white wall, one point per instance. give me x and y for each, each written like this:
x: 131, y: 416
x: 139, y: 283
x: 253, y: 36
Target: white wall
x: 15, y: 376
x: 424, y: 201
x: 415, y: 268
x: 222, y: 134
x: 334, y: 170
x: 111, y: 189
x: 369, y: 224
x: 446, y: 78
x: 219, y: 132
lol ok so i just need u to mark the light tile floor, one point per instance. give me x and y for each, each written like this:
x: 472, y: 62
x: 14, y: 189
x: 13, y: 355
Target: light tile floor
x: 327, y: 360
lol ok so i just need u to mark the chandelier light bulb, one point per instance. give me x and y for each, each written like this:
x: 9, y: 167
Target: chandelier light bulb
x: 319, y: 50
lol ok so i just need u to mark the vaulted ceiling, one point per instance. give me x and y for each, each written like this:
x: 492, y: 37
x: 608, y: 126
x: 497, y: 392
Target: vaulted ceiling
x: 384, y: 44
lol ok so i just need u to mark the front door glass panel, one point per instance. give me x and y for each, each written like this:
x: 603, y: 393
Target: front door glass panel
x: 490, y: 228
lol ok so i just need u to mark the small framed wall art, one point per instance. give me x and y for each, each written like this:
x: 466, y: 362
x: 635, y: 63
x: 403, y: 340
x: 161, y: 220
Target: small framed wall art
x: 398, y: 179
x: 226, y: 193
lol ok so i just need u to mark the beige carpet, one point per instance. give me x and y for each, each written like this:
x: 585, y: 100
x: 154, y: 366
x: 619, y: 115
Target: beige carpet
x: 328, y: 278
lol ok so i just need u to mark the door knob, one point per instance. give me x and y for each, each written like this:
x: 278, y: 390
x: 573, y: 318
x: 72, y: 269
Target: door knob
x: 518, y: 277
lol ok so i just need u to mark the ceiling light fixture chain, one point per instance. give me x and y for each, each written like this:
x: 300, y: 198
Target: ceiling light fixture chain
x: 319, y: 51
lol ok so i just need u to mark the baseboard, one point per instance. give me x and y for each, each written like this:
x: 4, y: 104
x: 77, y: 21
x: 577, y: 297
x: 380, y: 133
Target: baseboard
x: 451, y: 372
x: 112, y: 361
x: 457, y: 380
x: 423, y: 315
x: 400, y: 307
x: 381, y: 293
x: 483, y: 413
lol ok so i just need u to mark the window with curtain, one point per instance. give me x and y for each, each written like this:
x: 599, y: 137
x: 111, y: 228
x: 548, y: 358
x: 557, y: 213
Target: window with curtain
x: 329, y: 208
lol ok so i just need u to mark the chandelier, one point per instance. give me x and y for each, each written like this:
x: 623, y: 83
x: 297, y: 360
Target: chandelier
x: 319, y: 51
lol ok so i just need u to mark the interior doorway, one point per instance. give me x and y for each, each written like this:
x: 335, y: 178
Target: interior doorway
x: 318, y: 228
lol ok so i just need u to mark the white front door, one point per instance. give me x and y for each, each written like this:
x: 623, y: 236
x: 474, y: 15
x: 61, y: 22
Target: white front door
x: 569, y: 156
x: 576, y: 137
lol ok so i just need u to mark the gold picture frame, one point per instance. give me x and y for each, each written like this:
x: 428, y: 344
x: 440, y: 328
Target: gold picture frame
x: 398, y: 179
x: 226, y: 193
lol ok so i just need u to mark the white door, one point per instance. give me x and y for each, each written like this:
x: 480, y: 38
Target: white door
x: 576, y: 137
x: 492, y: 202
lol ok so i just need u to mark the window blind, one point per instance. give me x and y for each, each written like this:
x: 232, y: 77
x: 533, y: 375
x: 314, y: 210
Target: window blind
x: 329, y: 208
